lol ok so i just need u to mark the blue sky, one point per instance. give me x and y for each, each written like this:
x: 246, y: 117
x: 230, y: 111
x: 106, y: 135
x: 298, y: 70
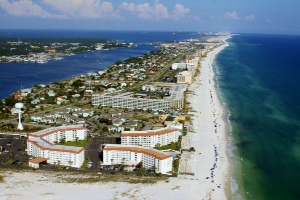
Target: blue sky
x: 251, y: 16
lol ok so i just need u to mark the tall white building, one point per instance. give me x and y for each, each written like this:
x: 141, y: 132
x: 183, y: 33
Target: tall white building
x: 179, y: 66
x: 150, y: 138
x: 153, y: 159
x: 41, y: 144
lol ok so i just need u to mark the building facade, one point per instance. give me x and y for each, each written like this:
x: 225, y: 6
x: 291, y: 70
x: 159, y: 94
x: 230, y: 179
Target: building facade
x: 185, y: 77
x: 56, y: 134
x: 150, y: 138
x: 41, y: 144
x: 128, y: 102
x: 151, y: 159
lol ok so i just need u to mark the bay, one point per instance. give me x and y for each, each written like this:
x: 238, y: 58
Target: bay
x: 14, y: 76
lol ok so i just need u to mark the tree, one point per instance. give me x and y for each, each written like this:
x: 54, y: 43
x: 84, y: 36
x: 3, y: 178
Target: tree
x: 10, y: 101
x: 63, y: 140
x: 77, y: 83
x: 105, y: 129
x: 105, y: 121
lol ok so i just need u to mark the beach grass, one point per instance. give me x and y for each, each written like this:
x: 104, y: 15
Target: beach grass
x: 94, y: 178
x: 1, y: 179
x: 173, y: 146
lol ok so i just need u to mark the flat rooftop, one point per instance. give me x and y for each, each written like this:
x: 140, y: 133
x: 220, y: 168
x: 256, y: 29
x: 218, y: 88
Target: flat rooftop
x: 161, y: 131
x: 38, y: 160
x: 138, y: 149
x: 45, y: 145
x: 56, y: 129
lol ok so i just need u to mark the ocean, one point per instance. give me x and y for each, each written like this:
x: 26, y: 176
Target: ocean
x: 258, y: 77
x: 14, y: 76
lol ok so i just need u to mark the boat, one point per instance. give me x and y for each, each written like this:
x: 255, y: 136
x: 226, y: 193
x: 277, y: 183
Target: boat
x: 41, y: 61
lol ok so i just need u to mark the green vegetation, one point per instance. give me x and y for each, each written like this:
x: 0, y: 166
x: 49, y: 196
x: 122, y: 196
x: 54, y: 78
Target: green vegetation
x: 84, y: 164
x: 176, y: 165
x: 93, y: 178
x: 10, y: 127
x: 1, y: 179
x: 173, y: 146
x: 11, y: 46
x: 79, y: 143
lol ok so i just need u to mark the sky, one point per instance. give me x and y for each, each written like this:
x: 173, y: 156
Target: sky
x: 235, y: 16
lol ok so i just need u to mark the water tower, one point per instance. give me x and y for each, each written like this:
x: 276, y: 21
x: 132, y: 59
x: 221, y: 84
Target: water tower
x: 19, y: 106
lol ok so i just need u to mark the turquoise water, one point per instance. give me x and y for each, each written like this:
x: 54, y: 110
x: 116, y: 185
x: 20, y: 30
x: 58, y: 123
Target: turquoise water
x: 259, y: 80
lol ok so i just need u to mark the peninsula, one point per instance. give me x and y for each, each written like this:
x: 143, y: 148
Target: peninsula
x: 170, y: 89
x: 40, y: 50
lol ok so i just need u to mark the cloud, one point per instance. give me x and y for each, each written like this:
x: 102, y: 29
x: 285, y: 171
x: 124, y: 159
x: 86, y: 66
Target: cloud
x: 250, y: 18
x: 234, y: 16
x: 83, y: 8
x: 231, y: 15
x: 76, y: 9
x: 24, y: 8
x: 157, y: 11
x: 180, y: 10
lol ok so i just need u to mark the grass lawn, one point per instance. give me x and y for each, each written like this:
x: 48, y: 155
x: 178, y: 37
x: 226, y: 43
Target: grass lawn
x: 173, y: 145
x: 79, y: 143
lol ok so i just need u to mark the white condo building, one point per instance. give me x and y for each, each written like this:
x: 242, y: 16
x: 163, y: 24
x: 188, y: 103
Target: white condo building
x: 120, y: 101
x: 41, y: 144
x: 150, y: 138
x: 128, y: 154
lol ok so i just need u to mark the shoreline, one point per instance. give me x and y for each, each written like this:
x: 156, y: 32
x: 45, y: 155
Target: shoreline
x: 213, y: 137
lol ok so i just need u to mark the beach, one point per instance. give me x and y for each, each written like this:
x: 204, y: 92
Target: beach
x: 207, y: 170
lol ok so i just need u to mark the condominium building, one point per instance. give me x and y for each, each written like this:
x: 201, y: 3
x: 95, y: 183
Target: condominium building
x: 129, y: 102
x: 41, y: 144
x: 150, y: 138
x: 153, y: 159
x: 185, y: 77
x: 56, y: 134
x: 179, y: 66
x: 176, y: 97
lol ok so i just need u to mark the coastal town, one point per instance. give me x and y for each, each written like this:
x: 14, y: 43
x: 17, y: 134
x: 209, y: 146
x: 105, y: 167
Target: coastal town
x: 41, y: 50
x: 135, y: 117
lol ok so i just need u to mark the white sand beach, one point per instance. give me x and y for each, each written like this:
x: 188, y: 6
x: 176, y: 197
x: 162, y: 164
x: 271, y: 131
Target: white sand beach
x: 208, y: 134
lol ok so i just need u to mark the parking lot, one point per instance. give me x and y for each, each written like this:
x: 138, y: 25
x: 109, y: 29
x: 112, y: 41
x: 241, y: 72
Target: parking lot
x: 13, y: 149
x: 13, y: 152
x: 92, y: 150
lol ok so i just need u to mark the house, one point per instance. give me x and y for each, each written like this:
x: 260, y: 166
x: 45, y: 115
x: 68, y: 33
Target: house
x: 76, y: 95
x: 111, y: 90
x: 61, y: 100
x: 51, y: 93
x: 88, y: 93
x: 123, y: 84
x: 149, y: 88
x: 51, y: 50
x: 35, y: 101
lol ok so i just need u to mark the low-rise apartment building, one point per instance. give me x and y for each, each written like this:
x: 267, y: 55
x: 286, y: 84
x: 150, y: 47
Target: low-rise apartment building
x: 128, y: 102
x: 41, y: 144
x: 160, y: 162
x: 56, y: 134
x: 150, y: 138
